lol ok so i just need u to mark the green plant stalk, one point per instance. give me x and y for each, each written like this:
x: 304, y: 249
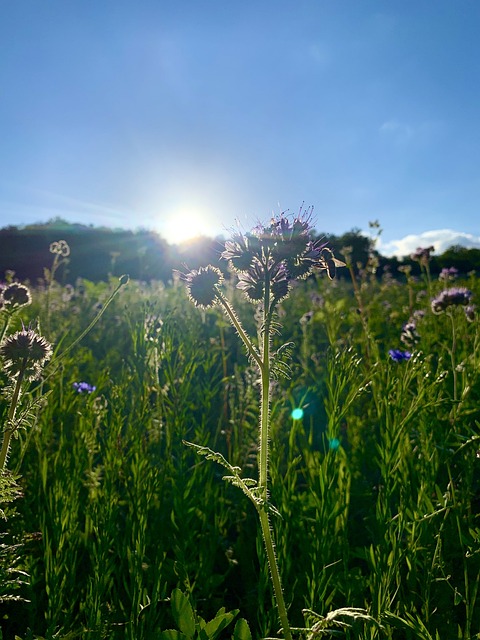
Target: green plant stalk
x: 7, y: 435
x: 452, y: 356
x: 263, y: 363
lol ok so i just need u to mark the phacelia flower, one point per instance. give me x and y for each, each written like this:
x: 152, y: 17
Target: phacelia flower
x: 25, y: 352
x: 398, y: 356
x: 202, y: 285
x: 277, y: 253
x: 447, y: 274
x: 84, y: 387
x: 422, y: 255
x: 60, y: 248
x: 470, y: 312
x: 455, y: 296
x: 409, y: 335
x: 16, y: 295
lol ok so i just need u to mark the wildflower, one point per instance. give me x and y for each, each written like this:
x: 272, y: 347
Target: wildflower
x: 60, y: 248
x: 451, y: 297
x: 82, y: 387
x: 470, y: 312
x: 398, y: 356
x: 447, y: 274
x: 409, y: 335
x: 202, y: 285
x: 16, y: 295
x: 422, y: 255
x: 305, y: 319
x: 25, y: 353
x: 275, y: 255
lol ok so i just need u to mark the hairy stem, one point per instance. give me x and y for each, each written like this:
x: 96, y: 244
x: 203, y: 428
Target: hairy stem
x: 236, y: 323
x: 9, y: 429
x: 274, y: 573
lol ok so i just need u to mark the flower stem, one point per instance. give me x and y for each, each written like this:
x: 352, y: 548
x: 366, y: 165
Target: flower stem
x: 274, y: 573
x: 8, y: 431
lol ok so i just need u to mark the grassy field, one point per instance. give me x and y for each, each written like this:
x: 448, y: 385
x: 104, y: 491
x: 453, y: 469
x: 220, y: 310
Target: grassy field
x: 120, y: 528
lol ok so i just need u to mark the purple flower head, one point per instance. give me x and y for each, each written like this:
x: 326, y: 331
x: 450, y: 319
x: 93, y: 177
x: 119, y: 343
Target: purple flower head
x: 422, y: 255
x: 451, y: 297
x: 398, y: 356
x: 448, y: 274
x: 202, y: 285
x: 409, y: 335
x: 25, y: 353
x: 83, y: 387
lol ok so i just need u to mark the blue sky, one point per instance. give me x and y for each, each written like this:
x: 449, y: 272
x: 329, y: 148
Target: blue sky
x: 186, y: 116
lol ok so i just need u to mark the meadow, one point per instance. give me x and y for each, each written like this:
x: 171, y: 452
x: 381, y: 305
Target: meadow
x: 114, y: 528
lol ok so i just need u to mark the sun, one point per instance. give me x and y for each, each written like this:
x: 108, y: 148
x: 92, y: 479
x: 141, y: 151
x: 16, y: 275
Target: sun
x: 185, y: 225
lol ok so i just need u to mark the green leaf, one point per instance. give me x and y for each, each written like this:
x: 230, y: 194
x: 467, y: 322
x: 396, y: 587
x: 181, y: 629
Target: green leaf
x: 218, y: 624
x: 183, y: 613
x: 172, y: 634
x: 242, y: 630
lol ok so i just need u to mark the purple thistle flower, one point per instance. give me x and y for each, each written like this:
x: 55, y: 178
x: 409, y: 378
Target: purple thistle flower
x: 398, y: 356
x: 82, y: 387
x: 451, y: 297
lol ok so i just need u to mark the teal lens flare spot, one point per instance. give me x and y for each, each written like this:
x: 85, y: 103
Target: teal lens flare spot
x: 333, y: 443
x: 297, y: 414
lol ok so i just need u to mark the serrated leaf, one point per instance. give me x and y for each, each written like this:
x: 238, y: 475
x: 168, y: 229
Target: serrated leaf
x: 183, y: 613
x: 242, y: 630
x: 218, y: 624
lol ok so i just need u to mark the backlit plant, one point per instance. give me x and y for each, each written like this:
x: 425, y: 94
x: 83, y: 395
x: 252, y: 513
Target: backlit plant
x: 266, y: 262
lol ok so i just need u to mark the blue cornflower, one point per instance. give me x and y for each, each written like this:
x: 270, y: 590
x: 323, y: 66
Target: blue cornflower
x: 397, y: 356
x: 83, y: 387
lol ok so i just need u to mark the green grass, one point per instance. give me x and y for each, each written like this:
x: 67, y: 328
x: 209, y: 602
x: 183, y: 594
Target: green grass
x: 116, y: 512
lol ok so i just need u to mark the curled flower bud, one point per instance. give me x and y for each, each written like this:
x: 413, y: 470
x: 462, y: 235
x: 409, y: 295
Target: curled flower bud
x: 25, y: 352
x: 470, y: 312
x: 409, y: 335
x: 451, y: 297
x: 16, y: 295
x: 60, y: 248
x: 251, y: 283
x: 202, y: 285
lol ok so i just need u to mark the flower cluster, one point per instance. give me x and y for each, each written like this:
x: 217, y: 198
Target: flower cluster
x: 15, y: 295
x: 25, y: 353
x: 422, y: 255
x: 83, y: 387
x: 269, y: 258
x: 398, y: 356
x: 456, y: 296
x: 60, y: 248
x: 448, y: 274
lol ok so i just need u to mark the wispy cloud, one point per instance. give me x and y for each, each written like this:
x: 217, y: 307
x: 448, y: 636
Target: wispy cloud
x: 398, y: 131
x: 441, y: 239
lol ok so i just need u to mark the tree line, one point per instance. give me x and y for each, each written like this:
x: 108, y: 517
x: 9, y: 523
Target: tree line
x: 97, y: 253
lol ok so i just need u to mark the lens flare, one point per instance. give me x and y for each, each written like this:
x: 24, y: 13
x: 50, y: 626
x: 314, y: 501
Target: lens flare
x: 297, y: 414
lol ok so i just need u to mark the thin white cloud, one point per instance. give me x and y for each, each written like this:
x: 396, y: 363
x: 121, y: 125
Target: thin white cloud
x: 398, y: 131
x: 441, y: 239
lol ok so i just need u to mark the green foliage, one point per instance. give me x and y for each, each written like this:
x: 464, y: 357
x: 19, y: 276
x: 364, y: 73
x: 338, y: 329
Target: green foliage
x: 378, y: 485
